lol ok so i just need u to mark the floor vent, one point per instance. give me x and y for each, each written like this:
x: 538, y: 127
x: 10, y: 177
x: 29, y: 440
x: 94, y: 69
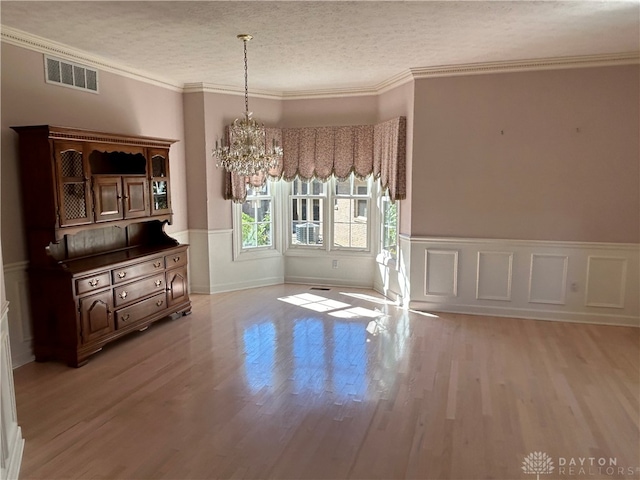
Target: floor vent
x: 319, y: 288
x: 68, y: 74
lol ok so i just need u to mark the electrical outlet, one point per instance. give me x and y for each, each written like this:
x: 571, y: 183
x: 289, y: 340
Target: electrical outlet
x: 334, y: 264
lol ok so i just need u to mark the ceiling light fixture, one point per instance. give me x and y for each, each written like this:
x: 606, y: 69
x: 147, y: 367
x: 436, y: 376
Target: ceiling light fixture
x: 245, y: 152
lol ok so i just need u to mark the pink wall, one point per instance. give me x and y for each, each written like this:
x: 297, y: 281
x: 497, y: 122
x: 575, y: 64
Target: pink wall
x: 195, y: 152
x: 122, y: 106
x: 548, y: 155
x: 322, y: 112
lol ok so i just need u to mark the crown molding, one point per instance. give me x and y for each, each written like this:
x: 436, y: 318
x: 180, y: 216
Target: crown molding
x: 26, y: 40
x: 32, y: 42
x: 202, y: 87
x: 329, y: 93
x: 558, y: 63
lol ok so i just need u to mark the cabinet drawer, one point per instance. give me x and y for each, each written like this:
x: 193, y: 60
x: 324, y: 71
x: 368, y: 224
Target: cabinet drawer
x: 176, y: 260
x: 141, y: 310
x: 131, y: 292
x: 129, y: 272
x: 92, y: 282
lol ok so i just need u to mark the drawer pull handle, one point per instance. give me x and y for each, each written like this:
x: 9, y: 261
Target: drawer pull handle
x: 94, y: 281
x: 122, y: 274
x: 123, y: 294
x: 176, y: 259
x: 125, y: 317
x: 159, y: 302
x: 157, y: 264
x: 158, y: 283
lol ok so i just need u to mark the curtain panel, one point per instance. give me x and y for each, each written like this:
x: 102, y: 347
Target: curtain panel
x: 320, y: 152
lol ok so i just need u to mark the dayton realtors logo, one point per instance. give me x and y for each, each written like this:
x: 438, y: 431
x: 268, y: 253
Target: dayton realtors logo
x: 538, y: 463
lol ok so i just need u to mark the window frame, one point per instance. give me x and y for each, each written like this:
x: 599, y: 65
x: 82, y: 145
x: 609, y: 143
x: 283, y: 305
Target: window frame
x: 324, y: 199
x: 356, y: 198
x: 384, y: 255
x: 328, y: 219
x: 241, y: 252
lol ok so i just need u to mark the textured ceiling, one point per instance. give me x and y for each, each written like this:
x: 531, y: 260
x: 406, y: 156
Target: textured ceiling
x: 306, y: 46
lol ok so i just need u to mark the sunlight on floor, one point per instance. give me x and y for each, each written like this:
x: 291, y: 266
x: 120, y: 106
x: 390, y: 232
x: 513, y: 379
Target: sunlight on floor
x: 369, y: 298
x: 424, y: 314
x: 356, y: 312
x: 337, y: 309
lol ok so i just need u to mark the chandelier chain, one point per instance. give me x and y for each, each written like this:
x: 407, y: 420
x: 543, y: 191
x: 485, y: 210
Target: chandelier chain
x: 246, y: 80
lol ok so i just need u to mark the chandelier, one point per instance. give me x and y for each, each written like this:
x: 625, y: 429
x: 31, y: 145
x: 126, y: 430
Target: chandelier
x: 245, y: 153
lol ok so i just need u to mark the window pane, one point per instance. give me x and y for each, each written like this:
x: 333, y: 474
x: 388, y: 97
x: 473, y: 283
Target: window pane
x: 249, y: 235
x: 389, y: 226
x: 317, y: 210
x: 256, y: 218
x: 263, y: 210
x: 257, y: 191
x: 263, y: 231
x: 351, y: 213
x: 358, y: 235
x: 343, y: 187
x: 361, y: 187
x: 306, y: 213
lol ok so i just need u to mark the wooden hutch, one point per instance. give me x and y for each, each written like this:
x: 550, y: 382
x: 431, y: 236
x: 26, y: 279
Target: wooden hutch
x: 100, y: 264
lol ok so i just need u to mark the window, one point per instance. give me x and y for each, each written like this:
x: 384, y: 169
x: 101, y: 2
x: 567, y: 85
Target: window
x: 389, y: 226
x: 256, y: 218
x: 351, y: 213
x: 346, y: 224
x: 307, y: 212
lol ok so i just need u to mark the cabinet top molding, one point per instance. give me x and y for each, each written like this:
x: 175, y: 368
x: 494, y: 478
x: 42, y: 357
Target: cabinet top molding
x: 82, y: 135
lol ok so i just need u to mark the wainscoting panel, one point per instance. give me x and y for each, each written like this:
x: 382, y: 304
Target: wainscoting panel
x: 11, y: 441
x: 548, y: 279
x: 494, y: 276
x: 441, y: 272
x: 213, y: 269
x: 19, y: 317
x: 565, y: 281
x: 606, y: 281
x: 330, y: 269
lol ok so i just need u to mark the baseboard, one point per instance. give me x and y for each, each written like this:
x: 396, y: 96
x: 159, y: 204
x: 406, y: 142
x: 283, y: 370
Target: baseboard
x: 549, y: 315
x: 15, y: 459
x: 230, y: 287
x: 22, y: 358
x: 329, y: 282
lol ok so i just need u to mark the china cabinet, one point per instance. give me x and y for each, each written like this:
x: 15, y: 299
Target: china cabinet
x: 100, y: 264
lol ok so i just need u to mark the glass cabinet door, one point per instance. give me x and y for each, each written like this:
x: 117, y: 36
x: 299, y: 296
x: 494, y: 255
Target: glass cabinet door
x: 74, y: 207
x: 159, y: 181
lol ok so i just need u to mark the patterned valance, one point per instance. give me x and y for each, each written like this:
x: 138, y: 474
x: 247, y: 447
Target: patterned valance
x: 320, y: 152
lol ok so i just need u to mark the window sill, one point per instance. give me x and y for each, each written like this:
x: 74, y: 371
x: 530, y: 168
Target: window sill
x: 316, y: 252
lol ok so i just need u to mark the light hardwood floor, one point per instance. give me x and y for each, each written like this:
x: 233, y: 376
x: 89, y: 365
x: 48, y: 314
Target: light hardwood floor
x: 263, y: 383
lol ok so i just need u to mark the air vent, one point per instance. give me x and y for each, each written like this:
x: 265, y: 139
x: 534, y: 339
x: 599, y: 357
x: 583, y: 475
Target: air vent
x: 67, y: 74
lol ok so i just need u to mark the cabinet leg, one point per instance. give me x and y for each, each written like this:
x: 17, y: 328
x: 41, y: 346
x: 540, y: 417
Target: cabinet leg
x: 186, y: 312
x: 78, y: 363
